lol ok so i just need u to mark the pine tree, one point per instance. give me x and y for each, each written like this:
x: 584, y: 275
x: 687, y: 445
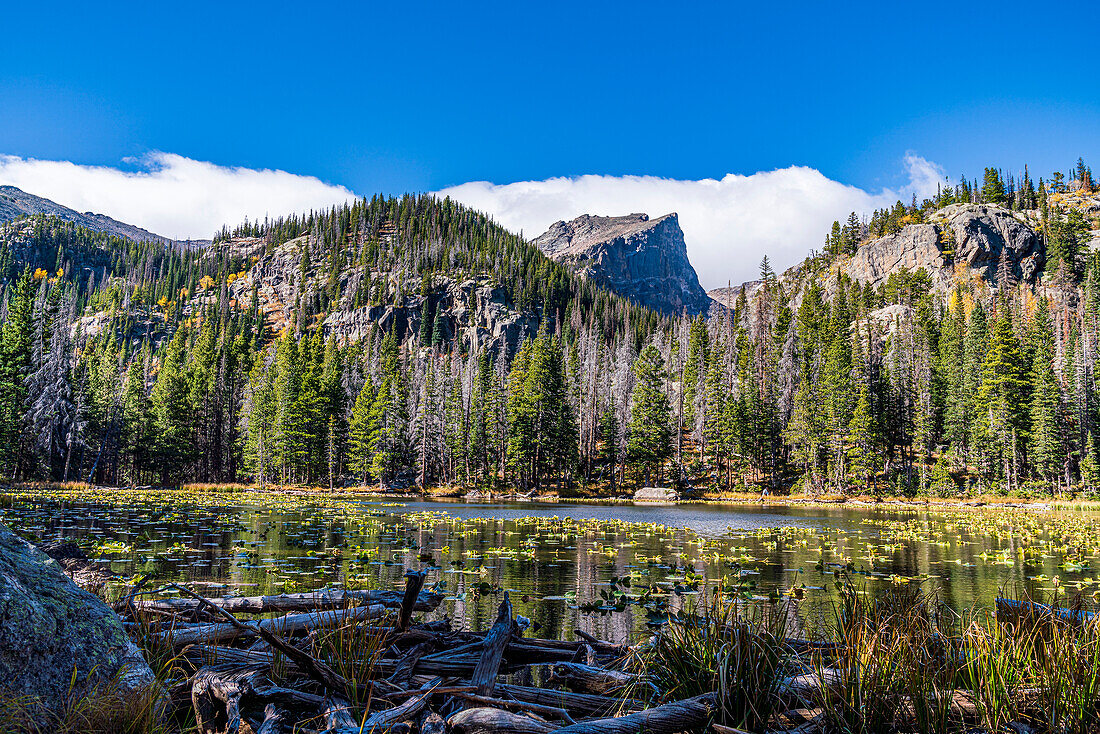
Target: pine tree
x: 173, y: 413
x: 1001, y: 404
x: 1045, y: 446
x: 15, y: 361
x: 650, y: 436
x: 861, y: 447
x: 993, y: 187
x: 136, y: 422
x: 804, y: 432
x: 359, y: 433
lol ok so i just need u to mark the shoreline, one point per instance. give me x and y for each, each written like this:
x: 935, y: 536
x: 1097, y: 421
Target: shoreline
x: 457, y: 496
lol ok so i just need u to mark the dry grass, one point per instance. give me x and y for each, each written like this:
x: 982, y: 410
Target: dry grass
x: 899, y: 662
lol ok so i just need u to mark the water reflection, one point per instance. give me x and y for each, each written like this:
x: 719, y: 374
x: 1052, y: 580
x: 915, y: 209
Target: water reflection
x: 556, y: 557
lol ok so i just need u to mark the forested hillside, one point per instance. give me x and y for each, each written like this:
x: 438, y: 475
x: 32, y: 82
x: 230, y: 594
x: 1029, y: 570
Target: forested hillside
x: 935, y: 347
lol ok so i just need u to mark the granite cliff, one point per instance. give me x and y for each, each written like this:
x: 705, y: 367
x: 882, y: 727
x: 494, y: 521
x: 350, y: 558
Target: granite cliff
x: 959, y: 238
x: 634, y: 256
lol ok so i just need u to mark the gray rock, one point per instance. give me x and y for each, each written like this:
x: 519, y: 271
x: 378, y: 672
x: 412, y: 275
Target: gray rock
x: 961, y: 237
x: 641, y: 259
x: 50, y: 627
x: 655, y: 494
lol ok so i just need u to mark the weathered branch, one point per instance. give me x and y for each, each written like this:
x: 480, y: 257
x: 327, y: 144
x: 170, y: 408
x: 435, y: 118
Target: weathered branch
x: 677, y: 716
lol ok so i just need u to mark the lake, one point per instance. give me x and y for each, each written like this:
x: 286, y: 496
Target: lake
x: 567, y: 565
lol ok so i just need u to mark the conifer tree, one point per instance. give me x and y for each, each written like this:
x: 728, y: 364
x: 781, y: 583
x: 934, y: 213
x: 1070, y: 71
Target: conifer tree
x: 359, y: 433
x: 173, y: 413
x: 649, y: 442
x: 1001, y: 404
x: 15, y: 361
x: 861, y: 447
x: 1046, y: 452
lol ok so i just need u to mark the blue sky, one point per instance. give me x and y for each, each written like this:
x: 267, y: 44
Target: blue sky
x: 425, y: 96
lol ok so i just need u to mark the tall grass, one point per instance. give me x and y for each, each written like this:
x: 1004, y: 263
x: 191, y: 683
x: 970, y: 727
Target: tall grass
x: 108, y: 708
x: 723, y: 645
x: 895, y: 660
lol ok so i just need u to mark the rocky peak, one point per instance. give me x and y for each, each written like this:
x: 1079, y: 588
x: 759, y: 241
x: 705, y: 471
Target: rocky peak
x: 634, y: 256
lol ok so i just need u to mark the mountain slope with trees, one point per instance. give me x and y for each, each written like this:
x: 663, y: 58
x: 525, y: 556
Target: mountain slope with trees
x: 412, y: 342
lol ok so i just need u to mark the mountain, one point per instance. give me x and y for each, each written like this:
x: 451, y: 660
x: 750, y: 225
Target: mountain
x: 634, y: 256
x: 411, y: 340
x: 15, y: 203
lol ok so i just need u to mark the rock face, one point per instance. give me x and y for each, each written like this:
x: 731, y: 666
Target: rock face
x: 49, y: 627
x: 972, y: 236
x: 471, y: 311
x: 642, y: 259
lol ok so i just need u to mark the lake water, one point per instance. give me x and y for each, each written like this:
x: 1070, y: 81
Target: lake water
x: 561, y: 561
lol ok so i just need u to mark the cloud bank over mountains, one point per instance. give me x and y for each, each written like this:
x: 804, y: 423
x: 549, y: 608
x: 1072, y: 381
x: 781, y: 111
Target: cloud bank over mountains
x: 729, y: 223
x: 170, y: 194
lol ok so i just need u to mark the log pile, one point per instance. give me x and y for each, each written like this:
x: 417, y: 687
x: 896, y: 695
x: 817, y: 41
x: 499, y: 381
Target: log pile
x: 266, y: 665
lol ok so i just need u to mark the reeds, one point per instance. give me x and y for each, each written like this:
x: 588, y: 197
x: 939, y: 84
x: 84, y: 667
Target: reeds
x: 895, y: 660
x: 722, y: 644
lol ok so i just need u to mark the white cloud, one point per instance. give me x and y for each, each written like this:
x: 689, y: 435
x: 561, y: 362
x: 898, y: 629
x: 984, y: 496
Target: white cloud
x: 172, y: 195
x: 729, y: 224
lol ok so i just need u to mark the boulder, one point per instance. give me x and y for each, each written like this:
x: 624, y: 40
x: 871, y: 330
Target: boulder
x: 56, y: 639
x: 655, y: 494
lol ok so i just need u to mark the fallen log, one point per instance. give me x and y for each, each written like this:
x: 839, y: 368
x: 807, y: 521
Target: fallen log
x: 216, y: 694
x: 495, y: 721
x: 668, y: 718
x: 433, y: 723
x: 521, y: 706
x: 606, y: 648
x: 337, y: 714
x: 485, y: 672
x: 316, y: 669
x: 1013, y: 609
x: 577, y: 704
x: 407, y: 663
x: 224, y: 631
x: 323, y: 599
x: 276, y: 721
x: 386, y: 722
x: 588, y: 679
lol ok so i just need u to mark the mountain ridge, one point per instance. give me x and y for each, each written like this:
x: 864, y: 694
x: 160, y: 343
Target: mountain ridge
x: 15, y: 203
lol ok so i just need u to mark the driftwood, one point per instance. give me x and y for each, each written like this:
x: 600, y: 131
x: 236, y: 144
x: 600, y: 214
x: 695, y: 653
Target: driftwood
x: 414, y: 582
x: 433, y: 723
x: 485, y: 672
x: 495, y: 721
x: 225, y: 631
x: 323, y: 599
x: 276, y: 721
x: 337, y: 714
x: 1013, y: 609
x: 577, y: 704
x: 316, y: 669
x: 672, y: 717
x: 410, y: 677
x: 589, y: 679
x: 521, y: 706
x: 218, y: 692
